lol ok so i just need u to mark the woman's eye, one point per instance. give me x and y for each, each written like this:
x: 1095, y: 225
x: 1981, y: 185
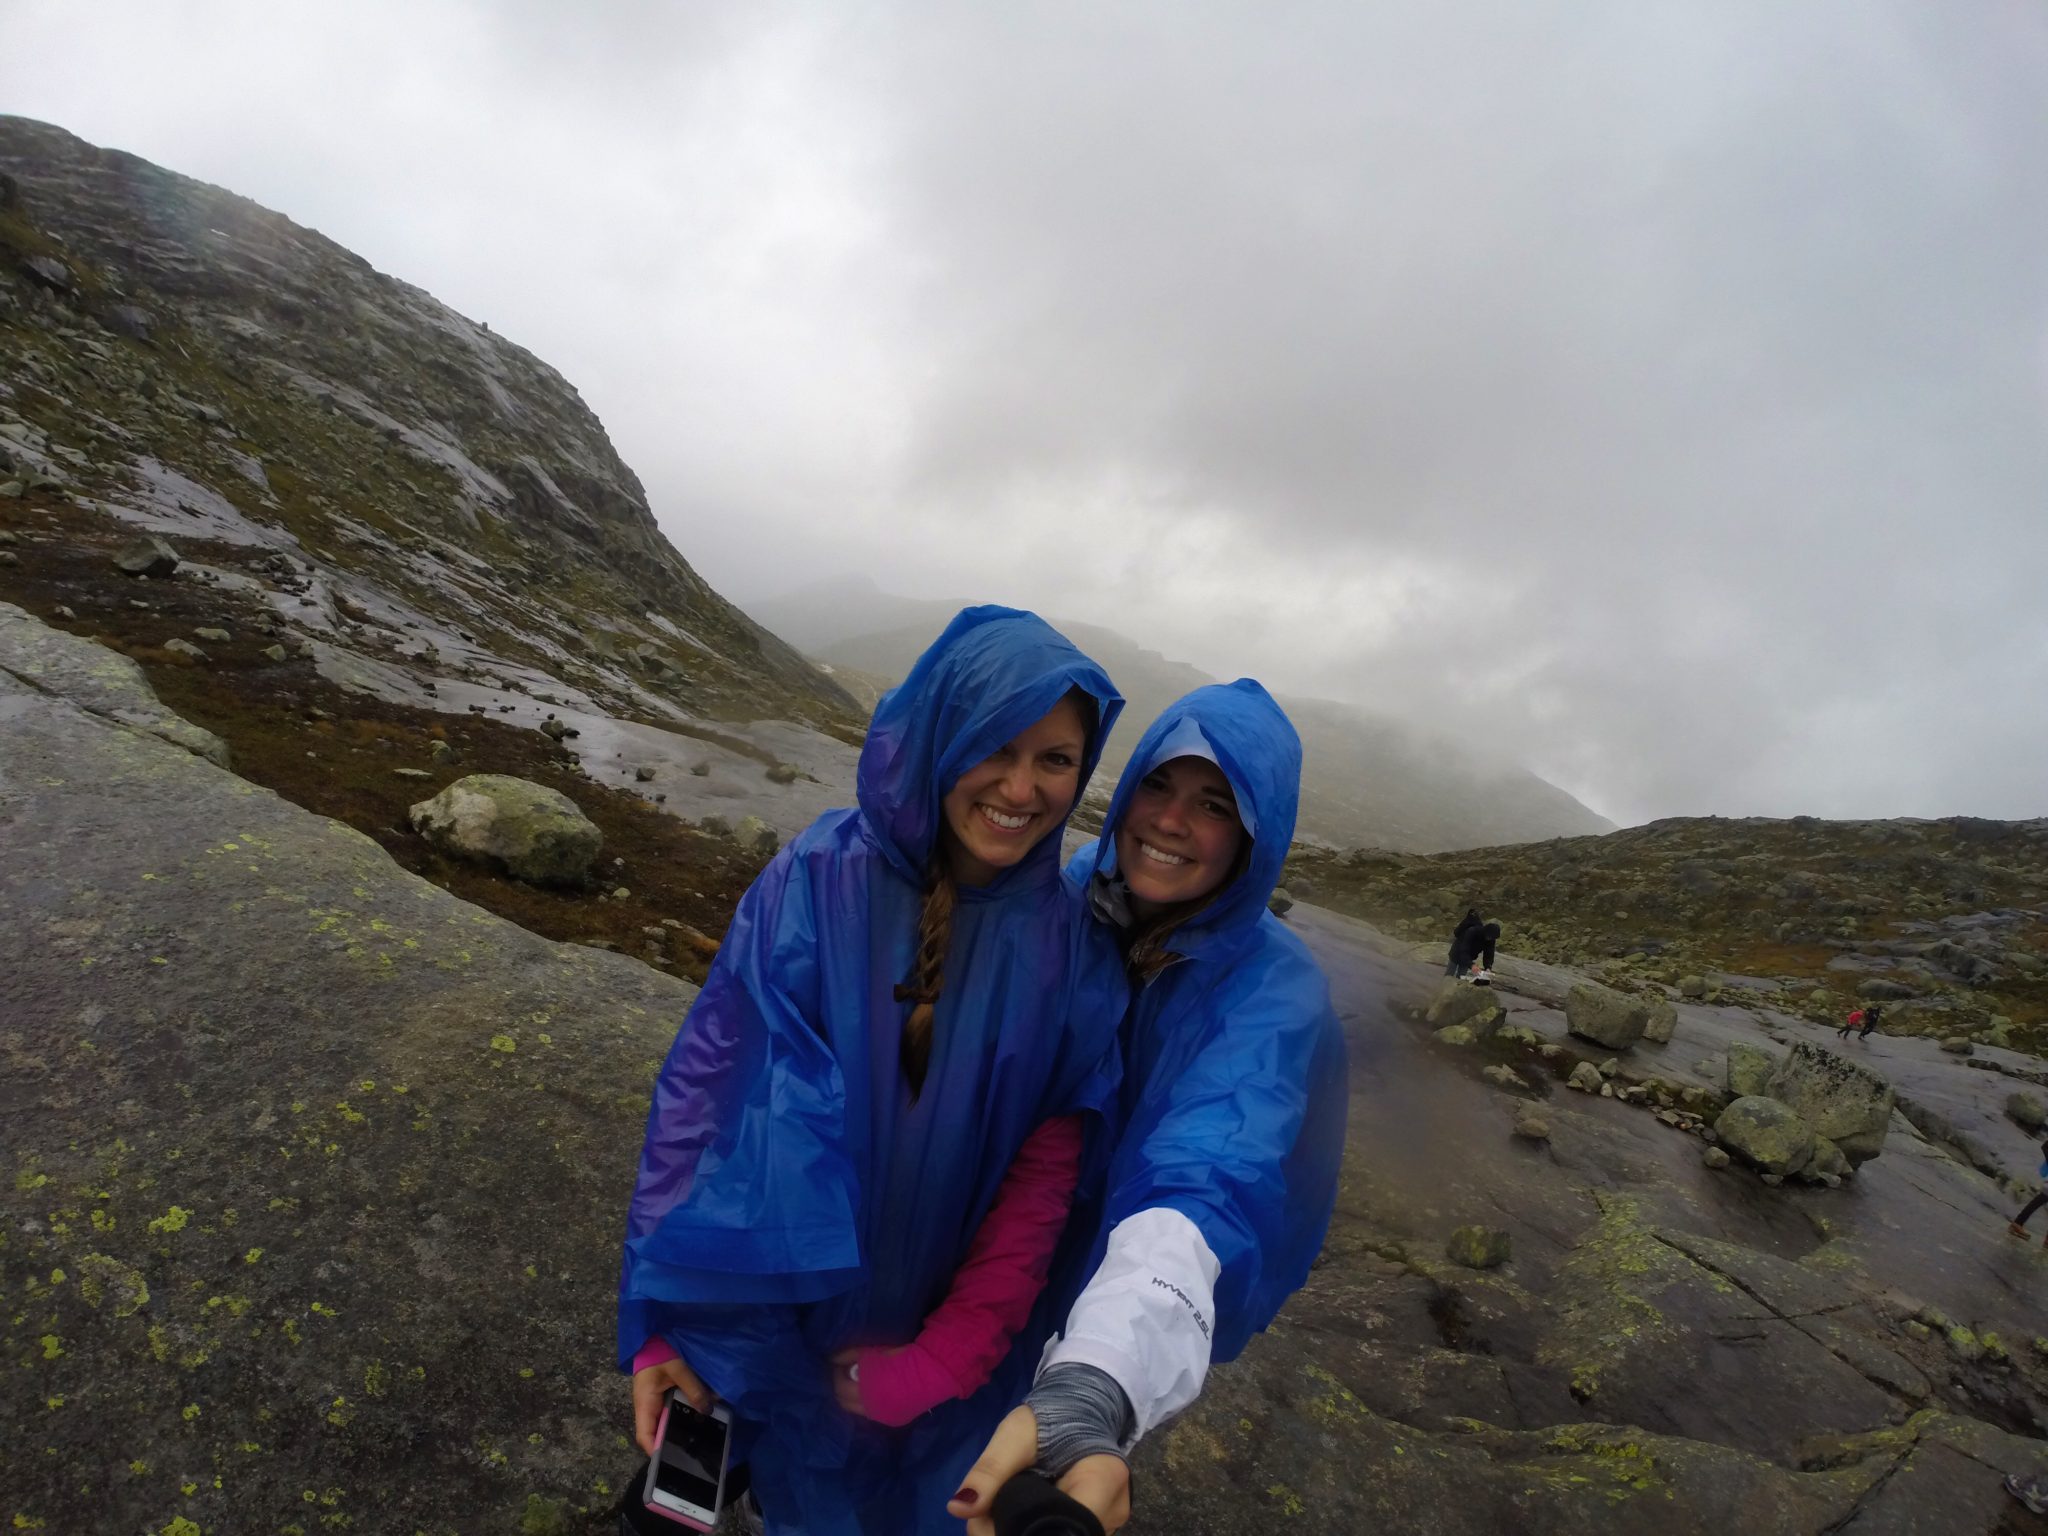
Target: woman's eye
x: 1059, y: 760
x: 1219, y: 810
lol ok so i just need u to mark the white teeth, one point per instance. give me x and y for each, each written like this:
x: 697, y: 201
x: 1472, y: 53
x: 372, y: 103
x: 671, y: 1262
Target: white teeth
x: 1160, y: 855
x: 1007, y: 823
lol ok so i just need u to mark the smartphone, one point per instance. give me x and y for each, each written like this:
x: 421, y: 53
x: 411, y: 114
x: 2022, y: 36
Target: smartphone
x: 686, y: 1477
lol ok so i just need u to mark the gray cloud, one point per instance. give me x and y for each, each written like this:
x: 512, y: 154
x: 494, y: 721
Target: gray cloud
x: 1656, y: 391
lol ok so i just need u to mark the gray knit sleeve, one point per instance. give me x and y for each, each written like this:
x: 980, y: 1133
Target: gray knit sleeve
x: 1081, y: 1411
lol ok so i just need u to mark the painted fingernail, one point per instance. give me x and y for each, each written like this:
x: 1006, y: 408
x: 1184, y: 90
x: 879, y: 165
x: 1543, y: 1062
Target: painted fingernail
x: 965, y: 1496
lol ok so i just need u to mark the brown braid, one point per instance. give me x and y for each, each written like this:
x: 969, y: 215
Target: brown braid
x: 928, y: 973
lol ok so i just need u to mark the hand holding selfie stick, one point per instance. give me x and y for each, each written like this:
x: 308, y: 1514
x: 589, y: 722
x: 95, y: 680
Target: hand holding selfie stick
x: 1029, y: 1505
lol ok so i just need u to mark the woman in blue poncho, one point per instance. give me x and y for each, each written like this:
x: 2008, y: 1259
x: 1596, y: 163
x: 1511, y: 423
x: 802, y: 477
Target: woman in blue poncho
x: 1232, y: 1107
x: 905, y: 996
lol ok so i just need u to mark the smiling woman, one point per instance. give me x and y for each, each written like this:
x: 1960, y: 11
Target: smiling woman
x: 846, y: 1210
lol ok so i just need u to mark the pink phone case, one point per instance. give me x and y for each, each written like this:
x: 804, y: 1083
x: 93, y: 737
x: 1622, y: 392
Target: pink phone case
x: 660, y: 1435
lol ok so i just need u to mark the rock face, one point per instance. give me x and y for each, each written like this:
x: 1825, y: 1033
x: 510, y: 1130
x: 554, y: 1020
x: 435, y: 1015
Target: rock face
x: 95, y: 679
x: 147, y: 557
x: 421, y: 452
x: 534, y: 833
x: 1841, y: 1099
x: 331, y: 1165
x: 1769, y: 1135
x: 1602, y: 1015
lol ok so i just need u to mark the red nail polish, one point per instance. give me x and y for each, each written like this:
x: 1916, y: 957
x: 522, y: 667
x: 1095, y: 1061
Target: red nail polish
x: 965, y: 1496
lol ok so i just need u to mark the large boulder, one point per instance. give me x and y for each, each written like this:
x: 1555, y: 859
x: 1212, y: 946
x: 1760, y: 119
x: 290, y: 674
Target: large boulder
x: 532, y: 832
x: 1749, y: 1069
x: 1474, y: 1007
x: 1770, y: 1136
x: 1841, y: 1099
x: 1604, y: 1016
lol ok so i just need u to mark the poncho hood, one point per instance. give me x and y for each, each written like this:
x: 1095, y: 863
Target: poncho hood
x: 993, y: 673
x: 1240, y: 728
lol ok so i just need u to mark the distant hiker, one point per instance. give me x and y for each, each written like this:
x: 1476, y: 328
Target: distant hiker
x: 2018, y: 1225
x: 1848, y: 1024
x: 1870, y: 1018
x: 1473, y: 939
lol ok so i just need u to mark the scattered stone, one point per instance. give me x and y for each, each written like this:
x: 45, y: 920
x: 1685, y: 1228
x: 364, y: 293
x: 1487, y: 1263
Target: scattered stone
x: 555, y: 730
x: 49, y: 272
x: 1586, y: 1078
x: 1479, y: 1247
x: 13, y: 489
x: 185, y: 648
x: 1766, y: 1133
x: 620, y: 893
x: 1691, y: 986
x: 1457, y: 1034
x: 276, y: 653
x: 128, y: 320
x: 9, y: 557
x: 412, y: 773
x: 8, y: 536
x: 757, y: 836
x: 147, y: 556
x: 1660, y: 1020
x: 1281, y: 902
x: 1956, y: 1045
x: 1533, y: 1128
x: 1714, y: 1157
x: 64, y: 612
x: 1774, y: 1179
x: 1604, y: 1016
x: 1611, y: 1068
x: 1749, y: 1069
x: 2026, y: 1111
x: 643, y: 774
x: 715, y: 826
x: 784, y: 773
x: 1506, y: 1077
x: 532, y: 832
x: 1828, y: 1162
x: 700, y: 770
x: 1476, y: 1008
x: 217, y: 636
x: 1881, y: 989
x: 441, y: 752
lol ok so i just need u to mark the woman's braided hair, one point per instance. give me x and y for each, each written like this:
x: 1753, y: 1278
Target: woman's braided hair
x: 928, y: 970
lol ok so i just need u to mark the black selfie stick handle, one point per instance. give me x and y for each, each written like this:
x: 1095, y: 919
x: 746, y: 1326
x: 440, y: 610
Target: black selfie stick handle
x: 1029, y: 1505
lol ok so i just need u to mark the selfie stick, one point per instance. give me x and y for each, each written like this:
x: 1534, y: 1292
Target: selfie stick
x: 1029, y: 1505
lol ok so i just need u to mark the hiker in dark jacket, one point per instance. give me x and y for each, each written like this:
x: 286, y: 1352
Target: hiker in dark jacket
x: 1473, y: 939
x: 1870, y: 1018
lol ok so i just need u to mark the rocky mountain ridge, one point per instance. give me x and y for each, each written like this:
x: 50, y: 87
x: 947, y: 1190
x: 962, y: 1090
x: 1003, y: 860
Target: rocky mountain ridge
x: 1941, y: 923
x: 1366, y: 777
x: 430, y: 495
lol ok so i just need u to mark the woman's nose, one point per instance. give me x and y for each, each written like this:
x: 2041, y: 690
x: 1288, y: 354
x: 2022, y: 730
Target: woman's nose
x: 1017, y: 785
x: 1172, y: 817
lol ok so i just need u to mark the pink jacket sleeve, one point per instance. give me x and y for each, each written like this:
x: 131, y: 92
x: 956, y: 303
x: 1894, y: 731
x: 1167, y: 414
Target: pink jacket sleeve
x: 966, y: 1337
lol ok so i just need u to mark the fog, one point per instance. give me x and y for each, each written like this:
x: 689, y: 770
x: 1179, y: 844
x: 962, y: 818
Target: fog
x: 1655, y: 393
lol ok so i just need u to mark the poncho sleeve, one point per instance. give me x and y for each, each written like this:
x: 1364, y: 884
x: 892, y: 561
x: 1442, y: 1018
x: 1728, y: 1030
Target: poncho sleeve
x: 1249, y: 1143
x: 746, y: 1194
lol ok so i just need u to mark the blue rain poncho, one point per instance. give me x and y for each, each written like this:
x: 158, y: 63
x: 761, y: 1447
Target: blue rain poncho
x: 792, y: 1198
x: 1234, y: 1094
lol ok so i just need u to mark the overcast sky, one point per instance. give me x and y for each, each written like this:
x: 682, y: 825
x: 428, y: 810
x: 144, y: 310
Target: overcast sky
x: 1658, y: 391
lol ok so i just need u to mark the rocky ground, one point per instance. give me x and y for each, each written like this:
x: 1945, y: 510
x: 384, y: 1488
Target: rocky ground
x: 315, y: 1171
x: 1944, y: 923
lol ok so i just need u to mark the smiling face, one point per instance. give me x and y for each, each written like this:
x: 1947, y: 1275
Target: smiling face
x: 1180, y: 835
x: 999, y: 809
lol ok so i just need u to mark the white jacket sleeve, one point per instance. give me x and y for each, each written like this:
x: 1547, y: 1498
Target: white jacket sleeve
x: 1147, y: 1315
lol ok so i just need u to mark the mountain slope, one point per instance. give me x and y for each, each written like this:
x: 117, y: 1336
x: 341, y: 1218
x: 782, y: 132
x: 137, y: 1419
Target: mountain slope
x: 1367, y: 779
x: 206, y: 367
